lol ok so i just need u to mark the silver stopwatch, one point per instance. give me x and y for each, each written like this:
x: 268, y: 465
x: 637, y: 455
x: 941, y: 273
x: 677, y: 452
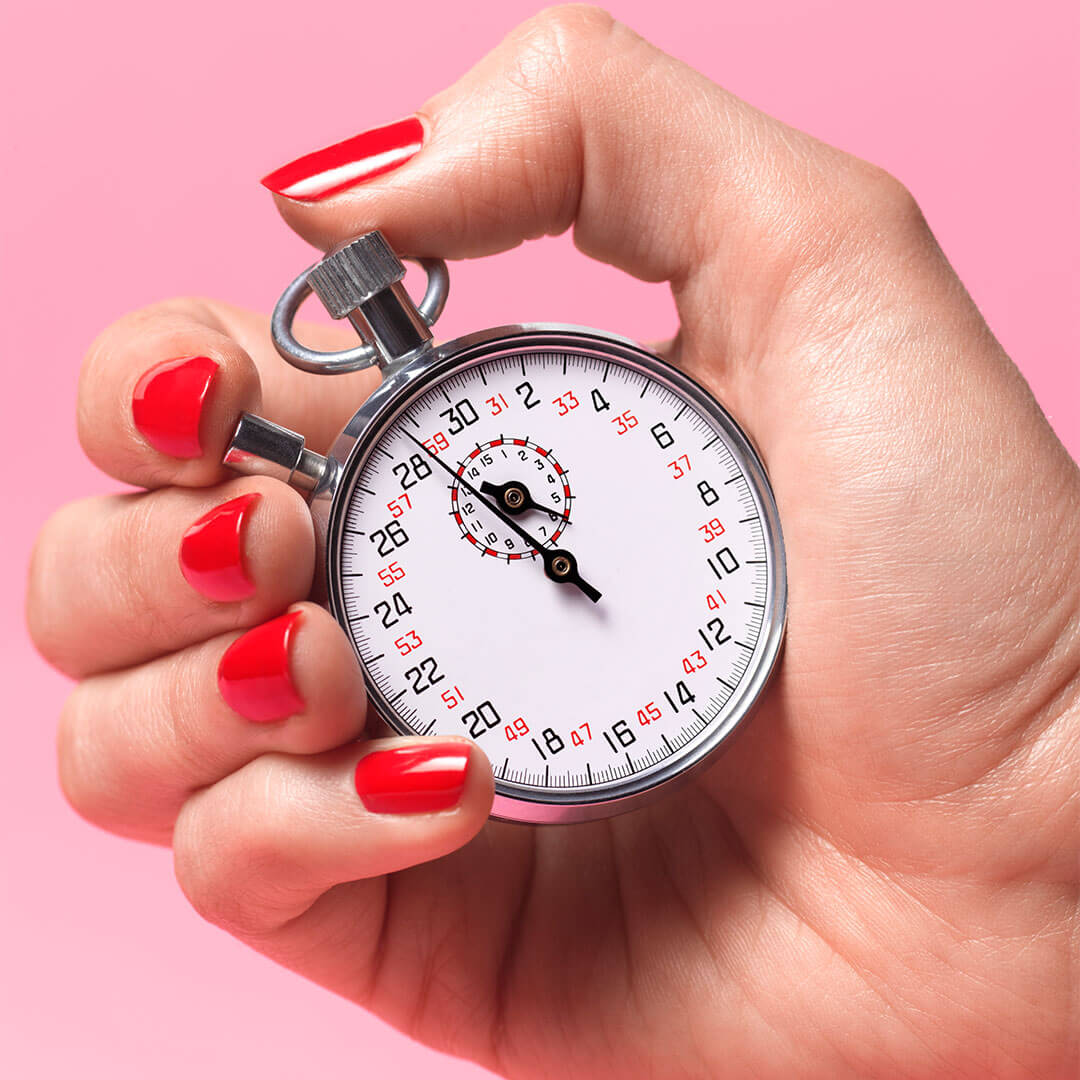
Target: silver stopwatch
x: 544, y: 538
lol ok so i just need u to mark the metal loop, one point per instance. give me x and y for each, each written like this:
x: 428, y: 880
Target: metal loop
x: 362, y: 356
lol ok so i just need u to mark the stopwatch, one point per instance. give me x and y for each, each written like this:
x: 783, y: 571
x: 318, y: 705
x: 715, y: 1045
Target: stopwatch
x: 544, y: 538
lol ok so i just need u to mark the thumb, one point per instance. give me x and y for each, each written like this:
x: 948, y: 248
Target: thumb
x: 575, y: 120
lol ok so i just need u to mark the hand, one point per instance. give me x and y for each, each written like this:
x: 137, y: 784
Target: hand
x: 514, y: 497
x: 879, y: 878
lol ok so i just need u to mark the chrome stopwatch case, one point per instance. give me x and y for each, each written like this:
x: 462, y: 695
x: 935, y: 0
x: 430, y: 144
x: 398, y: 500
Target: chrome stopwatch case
x: 543, y: 538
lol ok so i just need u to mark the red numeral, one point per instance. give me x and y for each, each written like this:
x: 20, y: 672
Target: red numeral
x: 391, y: 573
x: 437, y: 442
x: 516, y: 729
x: 647, y: 715
x: 407, y: 642
x: 565, y: 402
x: 694, y: 662
x: 678, y: 469
x: 453, y: 698
x: 395, y: 507
x: 712, y: 529
x: 624, y: 422
x: 711, y: 602
x: 575, y: 735
x: 497, y: 403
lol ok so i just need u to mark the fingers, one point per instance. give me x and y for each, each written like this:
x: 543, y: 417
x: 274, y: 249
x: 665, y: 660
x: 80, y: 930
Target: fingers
x: 259, y: 848
x: 121, y: 579
x: 161, y: 391
x: 574, y: 119
x: 134, y: 745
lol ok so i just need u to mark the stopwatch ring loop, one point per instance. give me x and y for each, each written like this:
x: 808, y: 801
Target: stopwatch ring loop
x: 362, y: 356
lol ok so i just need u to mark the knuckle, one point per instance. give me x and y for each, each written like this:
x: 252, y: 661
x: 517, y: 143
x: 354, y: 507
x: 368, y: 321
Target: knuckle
x: 888, y: 198
x: 572, y: 23
x: 227, y: 856
x: 853, y: 213
x: 545, y: 58
x: 560, y: 40
x: 48, y: 624
x: 77, y: 776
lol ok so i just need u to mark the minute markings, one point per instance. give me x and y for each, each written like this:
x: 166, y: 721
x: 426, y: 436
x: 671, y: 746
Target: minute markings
x: 566, y: 771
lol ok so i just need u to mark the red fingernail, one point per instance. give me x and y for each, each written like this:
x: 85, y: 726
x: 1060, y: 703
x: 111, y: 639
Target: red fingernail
x: 326, y: 172
x: 412, y: 779
x: 168, y: 404
x: 253, y: 675
x: 212, y: 554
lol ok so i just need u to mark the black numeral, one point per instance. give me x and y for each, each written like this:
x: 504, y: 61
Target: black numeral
x: 401, y: 607
x: 684, y: 695
x: 420, y: 469
x: 663, y: 437
x: 723, y: 562
x: 552, y: 741
x: 620, y: 731
x: 599, y: 403
x: 459, y: 416
x: 389, y: 537
x: 713, y: 633
x: 707, y: 493
x: 424, y: 676
x: 482, y: 719
x: 525, y: 392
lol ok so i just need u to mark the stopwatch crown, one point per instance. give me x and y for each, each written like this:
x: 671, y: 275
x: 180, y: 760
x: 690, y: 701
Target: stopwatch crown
x: 352, y: 274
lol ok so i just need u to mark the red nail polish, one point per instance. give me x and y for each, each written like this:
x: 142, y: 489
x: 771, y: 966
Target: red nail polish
x: 253, y: 675
x: 168, y: 404
x: 212, y: 554
x: 412, y: 779
x: 326, y: 172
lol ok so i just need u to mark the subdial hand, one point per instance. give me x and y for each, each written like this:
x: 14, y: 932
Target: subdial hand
x: 559, y: 565
x: 514, y: 498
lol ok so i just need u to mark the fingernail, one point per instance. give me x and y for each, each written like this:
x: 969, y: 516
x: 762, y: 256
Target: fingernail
x: 326, y: 172
x: 168, y: 403
x: 212, y: 554
x: 412, y: 779
x: 253, y: 675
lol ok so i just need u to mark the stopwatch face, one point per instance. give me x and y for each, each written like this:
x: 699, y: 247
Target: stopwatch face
x: 569, y: 554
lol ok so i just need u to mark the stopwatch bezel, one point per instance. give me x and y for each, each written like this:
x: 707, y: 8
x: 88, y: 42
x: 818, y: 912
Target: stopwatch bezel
x: 400, y: 389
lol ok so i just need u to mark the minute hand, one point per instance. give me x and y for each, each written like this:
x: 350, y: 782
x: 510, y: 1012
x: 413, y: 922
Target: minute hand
x: 559, y: 564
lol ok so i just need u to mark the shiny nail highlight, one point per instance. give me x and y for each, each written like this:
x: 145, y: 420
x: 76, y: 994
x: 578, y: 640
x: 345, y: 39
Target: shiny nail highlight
x: 212, y: 551
x: 168, y: 402
x: 254, y: 677
x: 412, y: 779
x: 363, y: 157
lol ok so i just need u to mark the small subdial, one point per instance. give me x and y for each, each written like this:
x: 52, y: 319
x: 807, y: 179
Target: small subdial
x: 519, y: 478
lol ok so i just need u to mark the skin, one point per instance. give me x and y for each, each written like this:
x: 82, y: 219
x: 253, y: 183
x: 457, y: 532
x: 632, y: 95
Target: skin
x: 880, y: 878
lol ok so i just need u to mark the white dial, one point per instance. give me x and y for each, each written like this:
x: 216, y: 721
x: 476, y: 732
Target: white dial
x: 565, y: 557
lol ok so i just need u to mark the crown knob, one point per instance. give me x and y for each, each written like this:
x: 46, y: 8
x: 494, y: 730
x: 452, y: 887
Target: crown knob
x: 351, y: 275
x: 362, y: 281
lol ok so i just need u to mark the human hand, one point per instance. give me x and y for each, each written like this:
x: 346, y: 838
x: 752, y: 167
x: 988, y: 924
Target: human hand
x: 880, y: 877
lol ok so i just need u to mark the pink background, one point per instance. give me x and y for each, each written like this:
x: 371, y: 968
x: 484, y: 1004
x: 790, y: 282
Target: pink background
x: 134, y: 134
